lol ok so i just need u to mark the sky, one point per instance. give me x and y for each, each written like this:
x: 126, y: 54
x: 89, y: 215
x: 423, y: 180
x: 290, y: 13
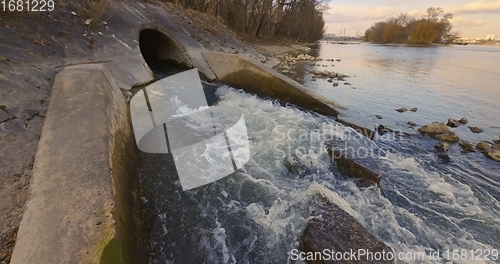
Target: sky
x: 471, y: 18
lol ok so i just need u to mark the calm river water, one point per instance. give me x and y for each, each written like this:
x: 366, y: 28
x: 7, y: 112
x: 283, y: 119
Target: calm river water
x: 423, y: 205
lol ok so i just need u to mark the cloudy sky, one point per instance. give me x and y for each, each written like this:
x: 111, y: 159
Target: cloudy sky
x: 471, y: 18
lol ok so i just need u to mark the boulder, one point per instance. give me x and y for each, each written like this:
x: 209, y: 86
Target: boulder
x: 355, y: 159
x: 444, y: 158
x: 411, y: 123
x: 476, y: 130
x: 346, y: 83
x: 340, y: 76
x: 466, y: 146
x: 463, y: 120
x: 447, y: 136
x: 496, y: 146
x: 317, y: 72
x: 414, y: 109
x: 494, y: 155
x: 453, y: 123
x: 496, y: 141
x: 442, y: 146
x: 335, y: 84
x: 434, y: 128
x: 382, y: 129
x: 337, y: 231
x: 483, y: 145
x: 401, y: 110
x: 330, y: 80
x: 378, y: 116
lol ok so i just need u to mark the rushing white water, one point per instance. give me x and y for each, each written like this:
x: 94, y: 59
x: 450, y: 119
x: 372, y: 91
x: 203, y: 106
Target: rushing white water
x: 257, y: 215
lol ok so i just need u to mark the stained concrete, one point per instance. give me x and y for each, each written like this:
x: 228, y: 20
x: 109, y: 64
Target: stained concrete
x: 257, y: 78
x: 73, y: 213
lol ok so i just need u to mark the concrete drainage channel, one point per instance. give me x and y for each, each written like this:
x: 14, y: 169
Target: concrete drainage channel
x: 84, y: 203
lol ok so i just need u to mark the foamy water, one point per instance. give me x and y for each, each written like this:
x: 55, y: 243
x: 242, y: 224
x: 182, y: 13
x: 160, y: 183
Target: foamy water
x: 257, y: 215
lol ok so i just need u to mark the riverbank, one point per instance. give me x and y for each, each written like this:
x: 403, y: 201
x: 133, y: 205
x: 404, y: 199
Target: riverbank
x: 35, y: 47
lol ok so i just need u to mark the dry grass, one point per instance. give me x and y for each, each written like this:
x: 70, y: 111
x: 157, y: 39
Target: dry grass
x: 93, y: 10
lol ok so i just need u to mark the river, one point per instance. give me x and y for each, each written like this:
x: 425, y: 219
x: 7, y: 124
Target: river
x: 257, y: 215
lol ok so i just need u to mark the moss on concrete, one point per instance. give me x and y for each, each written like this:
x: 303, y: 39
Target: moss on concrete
x: 127, y: 244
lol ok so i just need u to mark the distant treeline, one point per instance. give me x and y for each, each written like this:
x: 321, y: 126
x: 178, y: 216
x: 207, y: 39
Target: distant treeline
x: 435, y: 27
x: 299, y: 20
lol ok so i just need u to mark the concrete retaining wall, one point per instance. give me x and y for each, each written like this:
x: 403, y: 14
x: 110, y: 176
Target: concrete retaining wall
x: 264, y: 81
x: 81, y: 195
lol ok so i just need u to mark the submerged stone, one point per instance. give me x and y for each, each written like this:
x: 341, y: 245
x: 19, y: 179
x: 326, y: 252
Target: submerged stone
x: 453, y: 123
x: 463, y: 120
x: 355, y: 159
x: 476, y: 130
x: 434, y: 128
x: 447, y: 136
x: 494, y: 155
x: 442, y: 147
x: 337, y: 231
x: 483, y: 145
x: 466, y: 146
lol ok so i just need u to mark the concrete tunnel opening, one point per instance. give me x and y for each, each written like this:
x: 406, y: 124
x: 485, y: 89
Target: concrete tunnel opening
x: 163, y: 55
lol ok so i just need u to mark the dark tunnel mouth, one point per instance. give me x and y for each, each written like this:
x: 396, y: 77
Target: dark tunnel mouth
x: 162, y: 53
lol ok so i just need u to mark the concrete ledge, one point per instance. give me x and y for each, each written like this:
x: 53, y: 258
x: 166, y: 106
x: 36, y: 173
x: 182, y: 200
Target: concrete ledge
x: 261, y: 80
x: 81, y: 188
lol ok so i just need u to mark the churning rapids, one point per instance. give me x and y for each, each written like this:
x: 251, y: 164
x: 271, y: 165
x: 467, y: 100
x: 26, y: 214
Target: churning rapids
x: 257, y: 214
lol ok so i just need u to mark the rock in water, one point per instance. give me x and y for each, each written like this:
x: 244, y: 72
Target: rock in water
x: 483, y: 145
x: 335, y: 84
x: 337, y: 231
x: 414, y: 109
x: 463, y: 120
x: 453, y: 123
x: 382, y: 129
x: 494, y: 155
x: 378, y: 116
x: 434, y: 128
x: 476, y: 130
x: 411, y: 123
x: 466, y: 146
x: 496, y: 146
x: 355, y: 159
x: 447, y: 136
x: 401, y: 110
x: 442, y: 147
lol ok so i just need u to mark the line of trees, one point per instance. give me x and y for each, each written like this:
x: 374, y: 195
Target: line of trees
x: 299, y: 20
x: 434, y: 27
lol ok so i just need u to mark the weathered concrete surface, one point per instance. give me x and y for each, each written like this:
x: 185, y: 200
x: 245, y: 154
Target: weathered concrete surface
x: 165, y: 23
x: 75, y: 210
x: 257, y: 78
x: 338, y: 231
x: 36, y: 47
